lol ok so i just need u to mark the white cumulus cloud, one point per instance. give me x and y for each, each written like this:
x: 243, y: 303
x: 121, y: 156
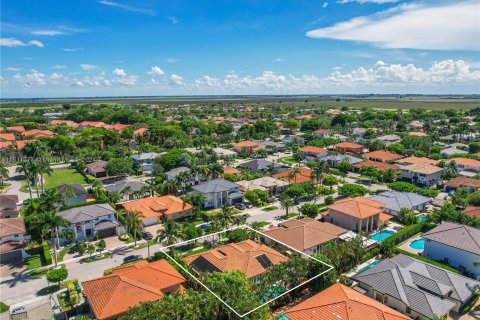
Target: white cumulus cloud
x: 156, y: 71
x: 119, y: 72
x: 177, y: 80
x: 413, y: 26
x: 13, y: 42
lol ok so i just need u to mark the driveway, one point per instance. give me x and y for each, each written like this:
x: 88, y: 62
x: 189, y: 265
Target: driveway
x: 11, y: 269
x: 17, y: 181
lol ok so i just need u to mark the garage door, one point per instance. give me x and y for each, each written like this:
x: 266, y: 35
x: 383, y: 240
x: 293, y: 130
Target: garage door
x: 11, y: 256
x: 106, y: 233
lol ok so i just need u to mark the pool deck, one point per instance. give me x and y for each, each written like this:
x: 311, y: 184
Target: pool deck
x: 354, y: 271
x: 404, y: 245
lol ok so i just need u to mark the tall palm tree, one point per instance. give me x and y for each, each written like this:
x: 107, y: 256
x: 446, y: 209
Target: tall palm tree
x: 183, y: 178
x: 114, y: 197
x: 24, y: 168
x: 35, y: 149
x: 98, y: 189
x: 126, y: 191
x: 43, y: 168
x: 286, y: 203
x: 319, y: 171
x: 134, y: 224
x: 451, y: 169
x: 51, y: 221
x: 3, y: 172
x: 168, y: 187
x: 226, y: 216
x: 170, y: 233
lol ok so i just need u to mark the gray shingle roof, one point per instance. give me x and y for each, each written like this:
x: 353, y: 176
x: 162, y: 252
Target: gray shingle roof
x: 217, y: 185
x: 260, y: 164
x: 120, y: 185
x: 175, y: 172
x: 456, y: 235
x: 418, y: 284
x: 77, y: 189
x: 341, y: 157
x: 145, y: 156
x: 395, y: 200
x: 87, y: 213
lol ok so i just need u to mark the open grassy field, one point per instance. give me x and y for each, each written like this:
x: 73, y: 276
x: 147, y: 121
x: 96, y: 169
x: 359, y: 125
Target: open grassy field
x: 302, y: 101
x: 63, y: 176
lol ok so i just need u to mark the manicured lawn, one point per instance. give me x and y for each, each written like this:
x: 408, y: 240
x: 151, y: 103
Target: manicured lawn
x: 292, y: 215
x: 287, y: 160
x: 3, y: 307
x: 271, y: 208
x: 5, y: 186
x: 63, y: 252
x: 196, y: 251
x: 64, y: 176
x: 263, y: 224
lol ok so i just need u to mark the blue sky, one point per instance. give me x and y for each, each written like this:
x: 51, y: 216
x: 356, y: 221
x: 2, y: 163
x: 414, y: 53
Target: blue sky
x: 126, y: 47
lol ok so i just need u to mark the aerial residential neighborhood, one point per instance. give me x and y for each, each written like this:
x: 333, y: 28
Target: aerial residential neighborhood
x: 228, y: 160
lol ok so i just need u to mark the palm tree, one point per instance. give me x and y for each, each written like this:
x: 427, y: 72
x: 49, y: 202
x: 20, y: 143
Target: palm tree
x: 126, y: 191
x: 319, y: 170
x: 170, y: 233
x: 450, y: 170
x: 286, y: 203
x: 24, y: 168
x: 134, y: 224
x: 35, y: 149
x: 44, y: 168
x: 226, y: 216
x: 168, y: 187
x: 114, y: 197
x: 389, y: 175
x: 183, y: 178
x: 3, y: 172
x: 228, y: 161
x: 97, y: 189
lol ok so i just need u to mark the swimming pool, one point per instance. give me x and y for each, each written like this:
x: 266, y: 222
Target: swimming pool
x: 382, y: 235
x: 373, y: 264
x: 422, y: 218
x: 418, y: 244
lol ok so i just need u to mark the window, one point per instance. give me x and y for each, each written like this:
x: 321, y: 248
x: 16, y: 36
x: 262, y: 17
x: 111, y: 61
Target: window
x: 385, y: 299
x: 409, y: 311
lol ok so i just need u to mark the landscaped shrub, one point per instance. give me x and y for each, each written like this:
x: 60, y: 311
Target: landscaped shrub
x: 422, y: 258
x: 46, y: 255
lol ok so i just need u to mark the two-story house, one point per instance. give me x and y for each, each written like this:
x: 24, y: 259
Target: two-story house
x: 8, y: 206
x: 262, y: 166
x: 219, y: 192
x: 145, y: 160
x: 311, y: 153
x: 421, y: 173
x: 456, y: 244
x: 88, y: 221
x: 12, y: 243
x: 74, y: 193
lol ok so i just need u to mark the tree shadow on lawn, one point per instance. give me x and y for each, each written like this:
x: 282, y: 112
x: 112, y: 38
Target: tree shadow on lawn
x: 48, y: 290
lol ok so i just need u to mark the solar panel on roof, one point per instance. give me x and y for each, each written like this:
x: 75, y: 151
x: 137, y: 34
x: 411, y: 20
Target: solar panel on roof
x: 264, y: 261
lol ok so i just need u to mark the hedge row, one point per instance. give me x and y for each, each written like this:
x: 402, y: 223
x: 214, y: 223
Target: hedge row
x: 47, y: 256
x: 408, y: 232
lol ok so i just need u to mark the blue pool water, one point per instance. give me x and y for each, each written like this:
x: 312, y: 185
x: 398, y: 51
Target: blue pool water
x: 382, y: 235
x: 373, y: 264
x: 418, y: 244
x: 422, y: 218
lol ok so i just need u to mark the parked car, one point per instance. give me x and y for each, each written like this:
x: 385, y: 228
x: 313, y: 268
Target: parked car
x: 73, y: 249
x: 132, y: 257
x: 17, y: 310
x: 147, y: 235
x: 240, y: 206
x: 248, y: 205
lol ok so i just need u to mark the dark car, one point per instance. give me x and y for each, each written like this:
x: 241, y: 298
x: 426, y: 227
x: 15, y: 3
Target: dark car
x: 248, y: 205
x: 73, y: 249
x: 132, y: 257
x: 147, y: 235
x: 240, y: 206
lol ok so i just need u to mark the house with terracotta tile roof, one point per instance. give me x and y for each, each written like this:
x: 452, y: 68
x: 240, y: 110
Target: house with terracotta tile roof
x: 382, y: 156
x: 472, y: 211
x: 321, y: 133
x: 20, y: 144
x: 350, y: 148
x: 381, y: 166
x: 5, y: 145
x: 341, y: 302
x: 292, y: 177
x: 471, y: 184
x: 357, y: 214
x: 230, y: 170
x: 118, y: 127
x: 455, y: 243
x: 8, y: 206
x: 7, y: 137
x: 12, y: 244
x: 465, y: 165
x: 140, y: 131
x: 111, y: 296
x: 16, y: 128
x: 415, y: 160
x: 93, y: 124
x: 37, y: 133
x: 247, y: 147
x: 248, y: 257
x: 306, y: 235
x: 312, y: 153
x: 421, y: 173
x: 417, y: 133
x: 156, y: 209
x: 69, y: 123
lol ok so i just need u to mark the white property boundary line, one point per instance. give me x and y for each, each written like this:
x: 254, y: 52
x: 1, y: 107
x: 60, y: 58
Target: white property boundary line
x: 163, y: 250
